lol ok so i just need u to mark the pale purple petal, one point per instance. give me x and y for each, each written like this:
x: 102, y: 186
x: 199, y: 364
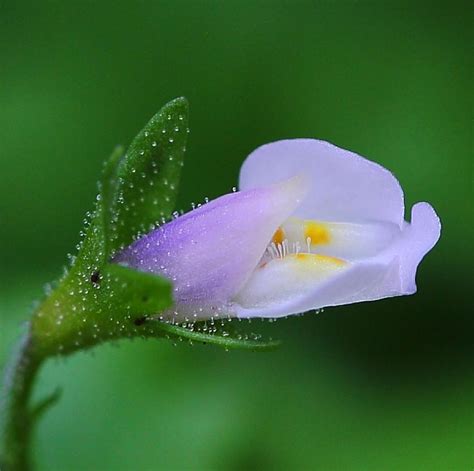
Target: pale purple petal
x: 210, y: 252
x: 344, y: 186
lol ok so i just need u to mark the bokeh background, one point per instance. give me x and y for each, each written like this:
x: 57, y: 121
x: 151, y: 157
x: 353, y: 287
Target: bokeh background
x: 376, y: 386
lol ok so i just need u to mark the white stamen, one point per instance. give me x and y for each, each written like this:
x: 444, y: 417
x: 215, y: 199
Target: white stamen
x: 281, y: 251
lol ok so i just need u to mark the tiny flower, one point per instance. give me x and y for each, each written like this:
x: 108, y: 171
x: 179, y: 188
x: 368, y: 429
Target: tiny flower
x: 312, y: 226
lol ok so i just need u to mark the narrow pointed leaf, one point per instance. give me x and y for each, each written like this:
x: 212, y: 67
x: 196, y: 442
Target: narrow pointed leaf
x: 149, y: 173
x: 221, y: 339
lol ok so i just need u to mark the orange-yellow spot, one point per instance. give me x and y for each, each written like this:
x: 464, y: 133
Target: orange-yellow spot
x: 317, y: 232
x: 279, y: 236
x: 305, y: 257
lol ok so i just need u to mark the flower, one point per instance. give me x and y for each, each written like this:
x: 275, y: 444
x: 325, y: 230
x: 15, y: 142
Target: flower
x: 312, y: 226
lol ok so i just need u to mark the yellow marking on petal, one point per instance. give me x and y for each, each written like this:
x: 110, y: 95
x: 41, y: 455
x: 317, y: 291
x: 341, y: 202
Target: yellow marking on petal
x: 303, y: 256
x: 313, y: 257
x: 317, y: 232
x: 329, y: 259
x: 279, y: 236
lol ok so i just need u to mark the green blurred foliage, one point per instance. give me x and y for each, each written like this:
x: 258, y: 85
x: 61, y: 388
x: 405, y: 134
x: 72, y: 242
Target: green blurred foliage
x: 386, y: 385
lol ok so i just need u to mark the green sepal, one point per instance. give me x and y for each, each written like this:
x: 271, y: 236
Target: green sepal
x: 90, y: 308
x: 222, y: 336
x: 134, y: 292
x: 96, y: 300
x: 138, y: 189
x: 149, y: 174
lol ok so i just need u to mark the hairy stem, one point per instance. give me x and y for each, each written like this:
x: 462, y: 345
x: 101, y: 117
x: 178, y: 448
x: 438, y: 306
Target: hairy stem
x: 16, y: 419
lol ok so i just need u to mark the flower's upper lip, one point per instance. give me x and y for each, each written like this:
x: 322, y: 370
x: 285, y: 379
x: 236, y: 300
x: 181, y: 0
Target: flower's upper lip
x: 343, y: 185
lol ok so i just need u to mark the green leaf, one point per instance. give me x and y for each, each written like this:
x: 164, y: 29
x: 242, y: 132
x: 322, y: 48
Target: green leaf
x: 149, y: 174
x: 220, y: 337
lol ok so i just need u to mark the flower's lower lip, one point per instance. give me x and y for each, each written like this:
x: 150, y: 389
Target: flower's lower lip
x: 287, y: 276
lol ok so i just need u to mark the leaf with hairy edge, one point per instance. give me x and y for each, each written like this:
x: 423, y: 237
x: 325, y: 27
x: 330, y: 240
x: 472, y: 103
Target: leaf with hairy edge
x: 227, y: 341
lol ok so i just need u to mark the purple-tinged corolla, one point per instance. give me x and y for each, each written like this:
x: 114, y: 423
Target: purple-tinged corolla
x: 311, y: 226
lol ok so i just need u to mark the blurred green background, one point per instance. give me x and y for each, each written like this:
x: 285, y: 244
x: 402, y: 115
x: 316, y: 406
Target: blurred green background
x: 377, y: 386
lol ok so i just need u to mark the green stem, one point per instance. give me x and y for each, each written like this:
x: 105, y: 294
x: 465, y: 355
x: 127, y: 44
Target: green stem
x: 17, y: 420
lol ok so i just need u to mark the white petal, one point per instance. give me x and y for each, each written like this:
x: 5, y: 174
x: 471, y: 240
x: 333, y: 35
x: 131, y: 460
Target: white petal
x: 344, y: 186
x: 390, y: 273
